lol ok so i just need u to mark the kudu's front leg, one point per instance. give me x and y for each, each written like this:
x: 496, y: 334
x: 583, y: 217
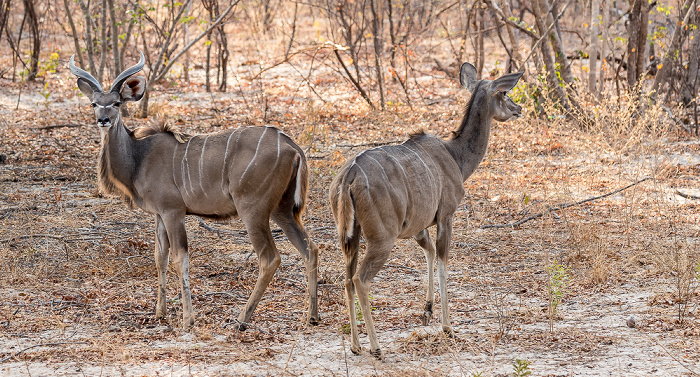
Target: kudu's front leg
x: 177, y: 235
x: 423, y: 239
x: 444, y: 235
x: 161, y: 258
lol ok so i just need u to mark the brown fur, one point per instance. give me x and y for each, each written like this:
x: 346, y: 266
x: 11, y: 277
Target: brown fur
x: 159, y: 125
x: 106, y: 181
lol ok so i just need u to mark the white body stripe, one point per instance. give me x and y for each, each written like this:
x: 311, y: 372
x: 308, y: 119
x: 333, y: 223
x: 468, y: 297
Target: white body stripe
x: 257, y: 148
x: 383, y: 171
x: 201, y: 166
x: 223, y: 165
x: 297, y: 190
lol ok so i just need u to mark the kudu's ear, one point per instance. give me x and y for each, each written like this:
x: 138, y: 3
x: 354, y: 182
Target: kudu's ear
x: 467, y: 76
x: 507, y: 82
x: 86, y: 89
x: 133, y: 88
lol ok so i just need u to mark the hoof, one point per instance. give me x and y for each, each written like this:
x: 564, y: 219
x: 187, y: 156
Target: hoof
x: 376, y: 353
x: 314, y: 321
x: 449, y: 332
x: 427, y: 313
x: 242, y: 326
x: 356, y: 350
x: 425, y: 317
x: 187, y: 323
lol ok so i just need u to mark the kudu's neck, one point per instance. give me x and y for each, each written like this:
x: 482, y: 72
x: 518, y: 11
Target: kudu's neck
x: 118, y: 161
x: 471, y: 139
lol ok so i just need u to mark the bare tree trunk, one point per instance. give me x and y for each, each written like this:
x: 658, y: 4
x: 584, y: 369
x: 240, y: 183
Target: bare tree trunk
x: 480, y: 44
x: 207, y: 65
x: 603, y: 47
x: 103, y: 41
x: 115, y: 38
x: 689, y: 86
x: 76, y: 41
x: 223, y: 51
x: 186, y: 63
x: 36, y: 38
x: 513, y: 38
x: 593, y: 49
x: 636, y: 45
x: 129, y: 32
x: 378, y: 50
x: 668, y: 61
x: 547, y: 57
x: 557, y: 44
x: 4, y: 13
x: 89, y: 42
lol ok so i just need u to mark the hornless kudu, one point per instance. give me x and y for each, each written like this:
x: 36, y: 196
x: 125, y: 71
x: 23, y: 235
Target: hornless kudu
x: 399, y: 191
x: 256, y: 173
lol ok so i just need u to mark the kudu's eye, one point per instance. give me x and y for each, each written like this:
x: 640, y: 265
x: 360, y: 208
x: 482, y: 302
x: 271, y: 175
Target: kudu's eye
x: 93, y: 104
x: 117, y: 104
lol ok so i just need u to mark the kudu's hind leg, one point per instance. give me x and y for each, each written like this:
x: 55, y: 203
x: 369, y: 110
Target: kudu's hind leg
x: 258, y: 227
x: 350, y: 251
x: 161, y: 258
x: 444, y: 235
x: 375, y: 257
x: 302, y: 242
x: 177, y: 235
x: 423, y: 239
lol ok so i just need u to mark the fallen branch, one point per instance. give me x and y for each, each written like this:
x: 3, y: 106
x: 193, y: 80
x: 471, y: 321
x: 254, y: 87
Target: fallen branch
x: 370, y: 144
x: 29, y: 236
x: 52, y: 126
x: 687, y: 196
x: 558, y: 207
x: 39, y: 345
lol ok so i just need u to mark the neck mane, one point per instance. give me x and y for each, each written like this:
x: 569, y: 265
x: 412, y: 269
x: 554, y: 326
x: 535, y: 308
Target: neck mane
x: 117, y: 162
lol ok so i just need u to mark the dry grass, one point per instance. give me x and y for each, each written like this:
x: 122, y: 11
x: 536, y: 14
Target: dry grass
x: 77, y: 267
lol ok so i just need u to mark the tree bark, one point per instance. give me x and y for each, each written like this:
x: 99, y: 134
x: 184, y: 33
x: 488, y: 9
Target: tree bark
x: 36, y: 39
x: 689, y: 86
x: 378, y: 50
x: 76, y: 41
x: 115, y: 38
x: 103, y: 41
x: 513, y: 39
x: 89, y: 42
x: 667, y: 63
x: 593, y: 49
x: 4, y: 13
x: 603, y: 47
x: 560, y: 54
x: 636, y: 45
x: 548, y: 59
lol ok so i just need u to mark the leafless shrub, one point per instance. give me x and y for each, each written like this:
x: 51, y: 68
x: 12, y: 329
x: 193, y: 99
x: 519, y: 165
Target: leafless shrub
x: 678, y: 259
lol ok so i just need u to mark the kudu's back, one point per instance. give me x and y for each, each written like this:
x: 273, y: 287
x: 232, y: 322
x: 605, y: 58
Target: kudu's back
x: 395, y: 191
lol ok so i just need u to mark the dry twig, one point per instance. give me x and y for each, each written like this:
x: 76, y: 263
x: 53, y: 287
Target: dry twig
x: 561, y: 206
x: 39, y: 345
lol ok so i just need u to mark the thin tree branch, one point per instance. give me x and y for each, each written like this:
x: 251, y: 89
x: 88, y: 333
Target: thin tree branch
x: 39, y: 345
x: 214, y: 24
x: 560, y: 206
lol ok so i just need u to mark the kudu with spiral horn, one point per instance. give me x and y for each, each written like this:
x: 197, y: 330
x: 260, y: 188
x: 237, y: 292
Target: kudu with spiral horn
x: 255, y: 173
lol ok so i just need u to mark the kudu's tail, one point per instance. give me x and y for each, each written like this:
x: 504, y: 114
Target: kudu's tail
x: 301, y: 187
x: 346, y: 211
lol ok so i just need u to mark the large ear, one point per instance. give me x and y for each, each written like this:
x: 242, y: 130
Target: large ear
x: 133, y: 88
x: 467, y: 76
x: 507, y: 82
x: 86, y: 89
